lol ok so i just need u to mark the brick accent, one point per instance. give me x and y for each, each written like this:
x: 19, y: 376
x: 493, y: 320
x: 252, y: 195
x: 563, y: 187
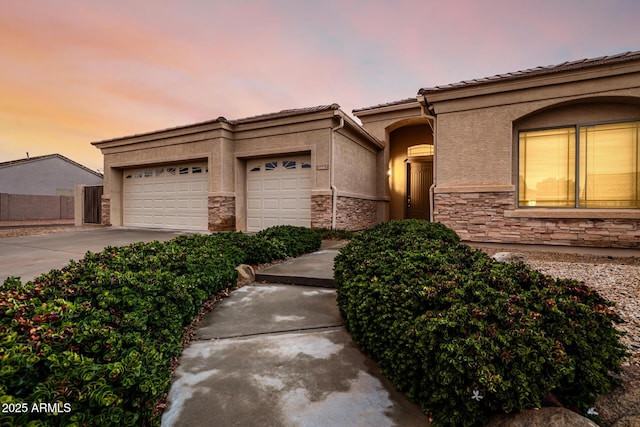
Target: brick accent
x: 479, y: 217
x: 321, y: 211
x: 355, y: 214
x: 222, y: 213
x: 105, y: 207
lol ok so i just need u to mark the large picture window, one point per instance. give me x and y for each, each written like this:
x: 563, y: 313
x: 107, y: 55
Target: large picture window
x: 587, y: 166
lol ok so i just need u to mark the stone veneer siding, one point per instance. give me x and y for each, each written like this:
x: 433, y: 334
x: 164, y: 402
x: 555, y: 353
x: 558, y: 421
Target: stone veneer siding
x: 320, y: 211
x: 355, y: 214
x: 222, y: 213
x: 479, y: 217
x: 352, y: 213
x: 105, y: 206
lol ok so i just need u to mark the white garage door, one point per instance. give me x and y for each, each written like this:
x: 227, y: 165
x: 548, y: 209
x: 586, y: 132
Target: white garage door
x: 170, y: 196
x: 278, y: 192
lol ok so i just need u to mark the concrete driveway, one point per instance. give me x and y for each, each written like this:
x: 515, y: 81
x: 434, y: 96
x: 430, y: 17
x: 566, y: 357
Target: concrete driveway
x: 29, y: 256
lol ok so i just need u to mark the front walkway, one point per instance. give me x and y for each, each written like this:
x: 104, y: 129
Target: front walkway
x: 278, y: 355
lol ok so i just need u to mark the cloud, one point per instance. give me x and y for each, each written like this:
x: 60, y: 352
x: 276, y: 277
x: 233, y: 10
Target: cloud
x: 77, y: 71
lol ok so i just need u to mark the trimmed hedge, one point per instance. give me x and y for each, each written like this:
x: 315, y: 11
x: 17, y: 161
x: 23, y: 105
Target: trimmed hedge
x: 467, y: 337
x: 294, y: 240
x: 100, y: 334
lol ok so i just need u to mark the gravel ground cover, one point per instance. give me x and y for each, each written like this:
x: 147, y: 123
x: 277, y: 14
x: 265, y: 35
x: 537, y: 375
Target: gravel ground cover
x: 615, y: 278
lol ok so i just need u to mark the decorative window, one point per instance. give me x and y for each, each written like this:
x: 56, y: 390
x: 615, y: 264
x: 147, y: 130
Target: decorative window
x: 421, y: 150
x: 148, y: 173
x: 128, y: 176
x: 171, y: 171
x: 184, y: 170
x: 137, y: 174
x: 289, y: 164
x: 196, y: 169
x: 159, y: 171
x: 256, y: 169
x: 305, y: 165
x: 269, y: 166
x: 583, y: 166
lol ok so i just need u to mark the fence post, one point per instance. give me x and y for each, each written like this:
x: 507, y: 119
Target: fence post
x: 78, y: 205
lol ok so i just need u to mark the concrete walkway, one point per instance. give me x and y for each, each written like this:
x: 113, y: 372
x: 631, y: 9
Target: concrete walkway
x: 277, y: 355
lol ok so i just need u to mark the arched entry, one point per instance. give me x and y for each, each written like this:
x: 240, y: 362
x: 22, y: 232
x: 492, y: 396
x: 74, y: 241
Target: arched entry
x: 410, y: 170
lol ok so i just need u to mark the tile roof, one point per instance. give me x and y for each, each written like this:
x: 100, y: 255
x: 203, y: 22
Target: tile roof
x: 48, y: 156
x: 221, y: 119
x: 285, y: 113
x: 539, y: 71
x: 386, y: 104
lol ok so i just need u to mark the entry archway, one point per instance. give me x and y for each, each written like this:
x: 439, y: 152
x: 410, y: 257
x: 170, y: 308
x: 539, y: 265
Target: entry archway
x: 410, y: 170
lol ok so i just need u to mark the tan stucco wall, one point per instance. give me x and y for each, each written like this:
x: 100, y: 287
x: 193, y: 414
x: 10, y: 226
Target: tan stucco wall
x: 355, y: 168
x: 475, y: 135
x: 476, y: 144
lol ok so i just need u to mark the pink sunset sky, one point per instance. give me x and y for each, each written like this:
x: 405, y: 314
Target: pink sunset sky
x: 77, y: 71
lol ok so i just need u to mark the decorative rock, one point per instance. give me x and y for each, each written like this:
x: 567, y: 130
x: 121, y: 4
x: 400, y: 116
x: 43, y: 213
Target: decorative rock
x: 632, y: 421
x: 246, y: 275
x: 545, y: 417
x: 622, y: 402
x: 510, y: 257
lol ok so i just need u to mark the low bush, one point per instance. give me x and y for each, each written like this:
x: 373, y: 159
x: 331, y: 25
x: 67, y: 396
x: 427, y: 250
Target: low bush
x: 467, y: 337
x: 330, y: 234
x: 99, y: 335
x: 294, y: 240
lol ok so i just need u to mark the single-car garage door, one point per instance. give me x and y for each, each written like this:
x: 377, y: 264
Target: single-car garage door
x: 278, y: 192
x: 169, y: 196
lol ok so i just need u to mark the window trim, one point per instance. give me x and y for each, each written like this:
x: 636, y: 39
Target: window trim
x: 576, y: 127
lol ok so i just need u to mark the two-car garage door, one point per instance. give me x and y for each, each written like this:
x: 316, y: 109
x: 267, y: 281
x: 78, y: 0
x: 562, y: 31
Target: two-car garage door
x: 278, y: 192
x: 169, y: 196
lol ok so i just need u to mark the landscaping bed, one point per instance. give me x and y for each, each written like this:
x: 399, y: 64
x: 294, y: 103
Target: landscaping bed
x: 94, y: 342
x: 467, y: 337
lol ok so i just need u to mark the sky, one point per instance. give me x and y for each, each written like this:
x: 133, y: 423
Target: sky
x: 77, y: 71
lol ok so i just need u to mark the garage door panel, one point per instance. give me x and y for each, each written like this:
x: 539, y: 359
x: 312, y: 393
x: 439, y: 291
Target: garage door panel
x: 291, y: 204
x: 254, y: 185
x: 271, y: 204
x: 254, y: 204
x: 271, y: 185
x: 290, y: 183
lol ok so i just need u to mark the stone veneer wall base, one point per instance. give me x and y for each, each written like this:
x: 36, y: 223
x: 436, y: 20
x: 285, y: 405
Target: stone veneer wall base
x: 222, y: 213
x: 479, y: 217
x: 356, y: 214
x: 352, y: 213
x: 321, y: 211
x: 105, y: 206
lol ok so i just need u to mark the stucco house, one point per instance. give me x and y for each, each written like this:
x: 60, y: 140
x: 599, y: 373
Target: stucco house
x: 547, y: 155
x: 49, y: 175
x: 42, y: 187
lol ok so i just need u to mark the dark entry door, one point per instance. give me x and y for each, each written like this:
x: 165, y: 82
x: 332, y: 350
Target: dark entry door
x: 419, y: 180
x: 92, y: 205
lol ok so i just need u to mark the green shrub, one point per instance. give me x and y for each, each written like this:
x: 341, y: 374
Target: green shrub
x: 294, y: 240
x: 330, y: 234
x: 100, y: 333
x: 467, y: 337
